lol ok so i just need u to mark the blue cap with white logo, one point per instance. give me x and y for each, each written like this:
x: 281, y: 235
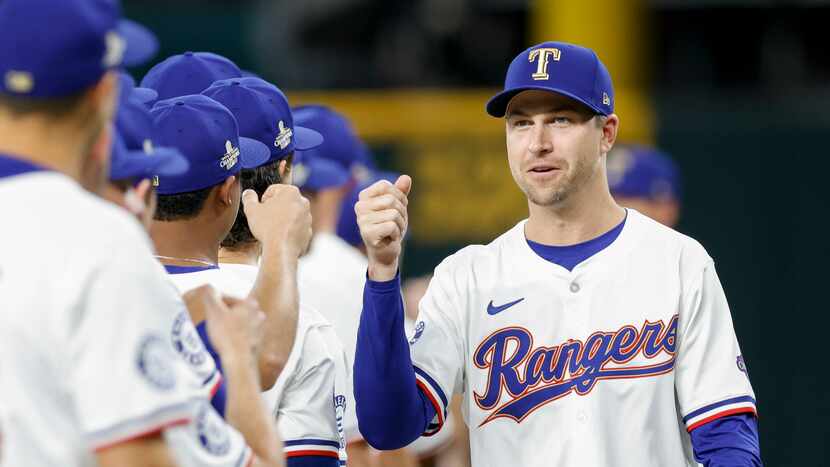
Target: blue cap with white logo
x: 341, y: 145
x: 134, y: 153
x: 559, y: 67
x: 263, y: 113
x: 642, y: 172
x: 206, y: 133
x: 189, y: 73
x: 312, y: 173
x: 58, y: 48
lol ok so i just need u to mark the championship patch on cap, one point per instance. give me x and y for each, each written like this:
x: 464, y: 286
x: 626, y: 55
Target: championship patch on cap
x: 213, y: 432
x: 154, y: 362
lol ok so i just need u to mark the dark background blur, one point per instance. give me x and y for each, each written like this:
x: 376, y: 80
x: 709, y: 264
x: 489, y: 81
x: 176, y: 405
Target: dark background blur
x: 736, y: 91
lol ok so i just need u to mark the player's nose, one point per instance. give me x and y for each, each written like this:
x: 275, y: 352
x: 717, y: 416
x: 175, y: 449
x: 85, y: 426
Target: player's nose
x: 541, y: 141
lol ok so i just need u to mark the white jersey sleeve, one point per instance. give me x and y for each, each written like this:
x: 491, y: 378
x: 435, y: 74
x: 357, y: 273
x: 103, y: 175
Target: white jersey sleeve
x: 437, y: 344
x: 306, y: 414
x: 125, y: 322
x: 711, y: 377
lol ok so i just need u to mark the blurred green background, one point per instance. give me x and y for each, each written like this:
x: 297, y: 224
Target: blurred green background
x: 736, y: 91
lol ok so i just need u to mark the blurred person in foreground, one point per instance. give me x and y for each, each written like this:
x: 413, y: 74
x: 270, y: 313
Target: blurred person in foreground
x: 647, y: 180
x: 84, y: 362
x: 587, y: 334
x: 308, y: 398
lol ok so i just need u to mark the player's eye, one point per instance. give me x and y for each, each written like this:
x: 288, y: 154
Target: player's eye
x: 521, y: 123
x: 561, y: 120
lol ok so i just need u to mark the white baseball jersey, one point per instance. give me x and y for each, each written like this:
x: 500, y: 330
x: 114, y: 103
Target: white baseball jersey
x: 606, y: 365
x: 303, y: 397
x: 85, y: 360
x: 330, y: 278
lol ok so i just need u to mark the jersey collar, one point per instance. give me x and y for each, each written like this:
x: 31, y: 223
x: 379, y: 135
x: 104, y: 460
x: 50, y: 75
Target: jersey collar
x: 11, y: 166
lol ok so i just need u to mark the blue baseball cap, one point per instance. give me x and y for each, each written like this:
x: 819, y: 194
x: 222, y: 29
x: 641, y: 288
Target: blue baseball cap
x: 263, y: 113
x: 559, y: 67
x: 642, y: 172
x: 189, y: 73
x: 207, y: 134
x: 134, y: 152
x: 129, y: 90
x: 341, y: 145
x: 347, y: 227
x: 312, y: 173
x: 58, y: 48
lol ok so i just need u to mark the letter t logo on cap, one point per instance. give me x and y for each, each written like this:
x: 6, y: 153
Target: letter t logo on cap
x: 544, y: 55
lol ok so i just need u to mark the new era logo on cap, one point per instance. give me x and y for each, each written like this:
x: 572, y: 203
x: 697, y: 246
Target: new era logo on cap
x: 566, y: 69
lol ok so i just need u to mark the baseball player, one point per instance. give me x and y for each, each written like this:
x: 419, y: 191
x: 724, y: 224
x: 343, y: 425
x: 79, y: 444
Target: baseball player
x: 587, y: 335
x: 209, y: 440
x: 309, y: 396
x: 647, y: 180
x: 83, y: 362
x: 86, y: 369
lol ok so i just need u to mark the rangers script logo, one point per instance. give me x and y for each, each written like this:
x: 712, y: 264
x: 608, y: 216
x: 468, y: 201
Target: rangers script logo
x: 534, y: 377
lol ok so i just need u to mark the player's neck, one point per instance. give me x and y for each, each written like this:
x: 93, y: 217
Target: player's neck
x: 325, y: 209
x: 584, y: 215
x: 54, y: 147
x: 248, y: 253
x: 186, y: 241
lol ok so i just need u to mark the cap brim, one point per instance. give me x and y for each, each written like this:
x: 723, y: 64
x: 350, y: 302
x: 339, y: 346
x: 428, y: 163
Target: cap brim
x: 142, y: 44
x: 252, y: 153
x: 166, y: 162
x: 306, y: 138
x: 143, y: 95
x: 497, y: 105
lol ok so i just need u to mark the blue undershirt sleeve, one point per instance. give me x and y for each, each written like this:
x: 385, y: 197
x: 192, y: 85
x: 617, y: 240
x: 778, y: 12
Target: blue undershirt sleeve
x: 391, y: 411
x: 731, y: 441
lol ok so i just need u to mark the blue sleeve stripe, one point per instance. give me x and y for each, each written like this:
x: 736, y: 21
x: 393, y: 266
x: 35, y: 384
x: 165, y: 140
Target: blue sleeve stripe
x: 722, y: 403
x: 433, y: 384
x: 319, y: 442
x: 312, y: 461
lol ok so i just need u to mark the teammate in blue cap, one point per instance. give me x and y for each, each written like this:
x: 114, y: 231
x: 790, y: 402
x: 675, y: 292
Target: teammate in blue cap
x: 342, y: 144
x: 196, y: 210
x: 588, y: 334
x: 647, y: 180
x: 188, y: 73
x: 308, y: 423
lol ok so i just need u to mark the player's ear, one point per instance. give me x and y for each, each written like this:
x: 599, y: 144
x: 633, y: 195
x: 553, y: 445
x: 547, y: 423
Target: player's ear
x: 610, y: 127
x: 104, y: 94
x: 284, y: 170
x: 225, y: 191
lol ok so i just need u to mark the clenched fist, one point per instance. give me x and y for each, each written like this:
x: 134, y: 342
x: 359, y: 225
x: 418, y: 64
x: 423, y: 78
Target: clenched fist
x: 282, y: 218
x: 382, y: 217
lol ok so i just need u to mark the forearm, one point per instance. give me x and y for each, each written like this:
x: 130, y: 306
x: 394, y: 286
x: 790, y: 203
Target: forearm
x: 730, y: 441
x: 246, y: 411
x: 276, y: 291
x: 391, y: 410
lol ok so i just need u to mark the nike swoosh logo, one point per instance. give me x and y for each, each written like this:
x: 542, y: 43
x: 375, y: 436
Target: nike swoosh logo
x: 493, y: 310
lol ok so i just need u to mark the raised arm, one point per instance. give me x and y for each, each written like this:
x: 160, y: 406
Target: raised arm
x: 391, y: 411
x: 281, y: 221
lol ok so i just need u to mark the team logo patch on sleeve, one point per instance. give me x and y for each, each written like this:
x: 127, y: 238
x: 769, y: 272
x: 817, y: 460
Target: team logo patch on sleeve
x: 154, y: 362
x: 742, y: 365
x: 213, y: 432
x: 186, y: 340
